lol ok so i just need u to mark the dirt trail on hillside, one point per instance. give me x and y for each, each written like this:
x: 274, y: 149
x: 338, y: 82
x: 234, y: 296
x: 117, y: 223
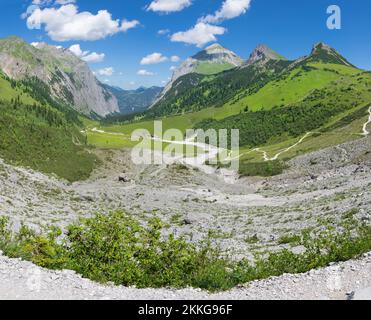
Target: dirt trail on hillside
x: 364, y: 129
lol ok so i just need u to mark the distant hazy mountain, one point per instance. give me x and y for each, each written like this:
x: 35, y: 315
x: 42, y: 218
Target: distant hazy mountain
x: 68, y: 78
x: 133, y: 101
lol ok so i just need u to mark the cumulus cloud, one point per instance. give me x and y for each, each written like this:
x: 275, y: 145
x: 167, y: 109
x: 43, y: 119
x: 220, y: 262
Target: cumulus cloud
x: 230, y: 9
x: 67, y: 23
x: 106, y: 72
x: 35, y: 44
x: 94, y: 57
x: 65, y: 1
x: 199, y: 35
x: 144, y: 72
x: 153, y: 58
x: 163, y: 32
x: 48, y: 2
x: 168, y: 6
x: 76, y: 50
x: 127, y: 25
x: 174, y: 59
x: 86, y: 55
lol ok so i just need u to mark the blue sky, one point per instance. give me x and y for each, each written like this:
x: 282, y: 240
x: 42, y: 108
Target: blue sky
x: 290, y: 27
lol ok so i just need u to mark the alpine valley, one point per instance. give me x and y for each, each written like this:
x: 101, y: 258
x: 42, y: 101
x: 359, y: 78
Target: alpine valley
x: 71, y: 197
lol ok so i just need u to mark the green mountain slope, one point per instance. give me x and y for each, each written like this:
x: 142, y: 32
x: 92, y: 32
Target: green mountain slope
x: 264, y: 81
x: 194, y: 92
x: 311, y: 103
x: 37, y: 132
x: 313, y: 112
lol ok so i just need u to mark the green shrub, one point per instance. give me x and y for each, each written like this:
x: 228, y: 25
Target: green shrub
x: 118, y: 248
x: 287, y: 239
x: 262, y: 169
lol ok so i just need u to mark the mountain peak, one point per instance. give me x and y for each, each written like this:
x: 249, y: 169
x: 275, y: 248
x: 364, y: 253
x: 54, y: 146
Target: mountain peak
x: 262, y: 53
x: 322, y: 52
x: 217, y: 53
x: 321, y: 46
x: 215, y: 46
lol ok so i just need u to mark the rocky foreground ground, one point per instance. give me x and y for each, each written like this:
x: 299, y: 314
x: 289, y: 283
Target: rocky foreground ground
x: 251, y: 215
x: 342, y: 281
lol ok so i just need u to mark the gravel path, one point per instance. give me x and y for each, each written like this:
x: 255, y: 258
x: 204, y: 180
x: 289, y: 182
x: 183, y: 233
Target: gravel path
x: 346, y: 280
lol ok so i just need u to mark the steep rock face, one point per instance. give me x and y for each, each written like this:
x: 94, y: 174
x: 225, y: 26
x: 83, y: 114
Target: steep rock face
x: 211, y: 60
x: 70, y: 80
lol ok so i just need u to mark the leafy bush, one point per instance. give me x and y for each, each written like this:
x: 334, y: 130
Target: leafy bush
x: 118, y: 248
x: 286, y: 239
x: 262, y: 169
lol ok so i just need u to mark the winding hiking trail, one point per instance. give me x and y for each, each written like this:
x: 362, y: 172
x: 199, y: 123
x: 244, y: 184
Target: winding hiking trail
x: 211, y: 152
x: 275, y: 157
x: 200, y: 159
x: 365, y: 131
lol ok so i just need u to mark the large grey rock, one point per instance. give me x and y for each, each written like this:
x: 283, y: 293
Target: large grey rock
x: 362, y: 294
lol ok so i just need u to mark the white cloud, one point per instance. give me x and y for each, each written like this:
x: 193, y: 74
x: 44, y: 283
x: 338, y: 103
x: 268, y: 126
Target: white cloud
x: 65, y: 1
x: 94, y: 57
x: 76, y: 50
x: 35, y: 44
x: 106, y: 72
x: 143, y: 72
x: 41, y: 2
x: 86, y: 55
x: 127, y: 25
x: 199, y: 35
x: 173, y: 68
x: 67, y: 23
x: 230, y: 9
x: 163, y: 32
x: 174, y: 59
x: 168, y: 5
x: 48, y: 2
x: 153, y: 58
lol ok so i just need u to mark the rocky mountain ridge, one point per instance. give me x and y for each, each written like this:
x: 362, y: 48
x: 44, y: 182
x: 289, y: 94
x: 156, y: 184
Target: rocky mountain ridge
x: 215, y: 55
x: 69, y: 78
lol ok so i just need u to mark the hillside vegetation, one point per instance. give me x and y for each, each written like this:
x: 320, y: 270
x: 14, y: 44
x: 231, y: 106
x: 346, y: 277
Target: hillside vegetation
x: 39, y: 133
x: 116, y: 247
x: 313, y: 112
x: 282, y: 108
